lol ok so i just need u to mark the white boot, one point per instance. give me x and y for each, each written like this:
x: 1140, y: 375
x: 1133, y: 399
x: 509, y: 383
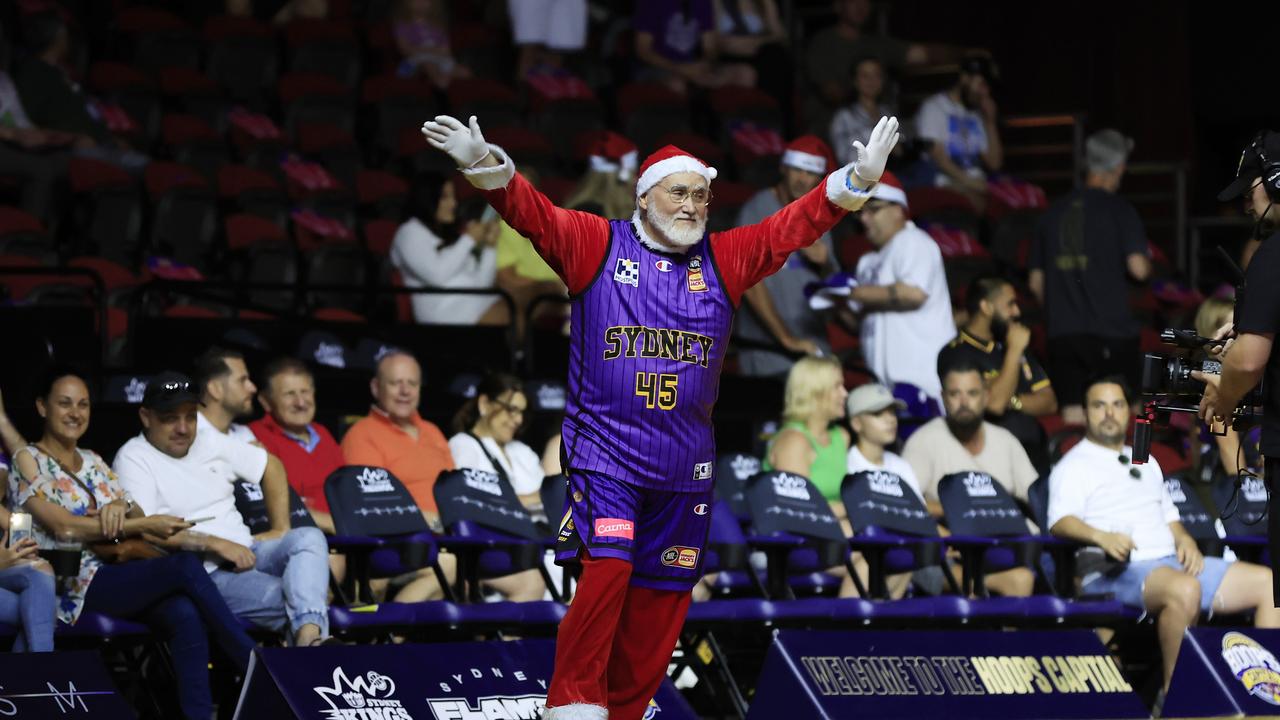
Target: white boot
x: 576, y: 711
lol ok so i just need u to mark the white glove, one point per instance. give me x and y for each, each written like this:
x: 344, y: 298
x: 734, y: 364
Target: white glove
x: 464, y: 144
x: 869, y: 159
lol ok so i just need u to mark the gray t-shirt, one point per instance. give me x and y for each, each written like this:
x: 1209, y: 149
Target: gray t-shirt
x: 787, y: 289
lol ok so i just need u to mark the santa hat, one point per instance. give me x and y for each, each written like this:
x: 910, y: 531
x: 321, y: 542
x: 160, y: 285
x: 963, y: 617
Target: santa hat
x: 613, y: 153
x: 808, y: 153
x: 890, y: 189
x: 670, y: 160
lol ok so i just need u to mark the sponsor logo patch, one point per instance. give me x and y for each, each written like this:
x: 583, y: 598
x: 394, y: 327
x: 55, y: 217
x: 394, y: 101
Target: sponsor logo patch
x: 702, y: 471
x: 697, y: 283
x: 627, y: 272
x: 374, y: 480
x: 979, y: 485
x: 577, y: 496
x: 482, y: 481
x: 680, y: 556
x: 790, y: 486
x: 615, y: 527
x: 885, y: 484
x: 1253, y: 665
x: 363, y: 696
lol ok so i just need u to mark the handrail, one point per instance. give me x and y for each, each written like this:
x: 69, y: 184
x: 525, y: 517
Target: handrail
x: 99, y: 291
x: 207, y: 289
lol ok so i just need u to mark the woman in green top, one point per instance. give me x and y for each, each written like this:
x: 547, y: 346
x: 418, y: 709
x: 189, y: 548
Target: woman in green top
x: 809, y: 442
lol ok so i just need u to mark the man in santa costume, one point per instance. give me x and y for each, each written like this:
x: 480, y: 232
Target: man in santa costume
x: 654, y: 297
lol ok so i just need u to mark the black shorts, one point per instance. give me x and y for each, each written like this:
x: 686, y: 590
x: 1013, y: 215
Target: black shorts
x: 1074, y: 360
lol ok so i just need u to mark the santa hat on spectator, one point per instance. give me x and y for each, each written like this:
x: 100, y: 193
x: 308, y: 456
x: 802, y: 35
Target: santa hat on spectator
x: 613, y: 153
x: 809, y: 153
x: 670, y: 160
x: 890, y: 189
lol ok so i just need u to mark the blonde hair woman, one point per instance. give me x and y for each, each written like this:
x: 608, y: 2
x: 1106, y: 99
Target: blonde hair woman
x: 809, y: 443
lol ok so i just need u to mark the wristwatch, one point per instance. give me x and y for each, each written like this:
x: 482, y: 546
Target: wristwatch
x: 1015, y: 402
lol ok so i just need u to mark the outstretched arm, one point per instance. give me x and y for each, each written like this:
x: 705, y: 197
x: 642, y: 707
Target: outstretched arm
x: 573, y: 243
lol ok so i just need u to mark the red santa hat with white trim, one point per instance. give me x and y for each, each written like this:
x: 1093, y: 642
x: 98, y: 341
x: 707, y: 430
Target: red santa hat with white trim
x: 890, y: 189
x: 809, y: 153
x: 614, y: 153
x: 668, y: 161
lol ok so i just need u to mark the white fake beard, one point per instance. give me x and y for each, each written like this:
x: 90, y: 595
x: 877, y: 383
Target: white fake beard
x: 682, y: 235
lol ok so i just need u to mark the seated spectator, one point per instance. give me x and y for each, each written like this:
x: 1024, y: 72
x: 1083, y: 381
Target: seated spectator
x: 961, y: 124
x: 1141, y: 553
x: 677, y: 44
x: 1088, y: 246
x: 33, y: 156
x: 430, y: 253
x: 857, y: 119
x: 995, y: 339
x: 961, y: 442
x: 226, y: 393
x: 485, y: 429
x: 780, y: 312
x: 27, y: 599
x: 832, y: 52
x: 751, y: 31
x: 545, y: 31
x: 289, y: 431
x: 394, y: 436
x: 278, y: 580
x: 422, y: 36
x: 55, y: 102
x: 62, y: 486
x: 901, y: 294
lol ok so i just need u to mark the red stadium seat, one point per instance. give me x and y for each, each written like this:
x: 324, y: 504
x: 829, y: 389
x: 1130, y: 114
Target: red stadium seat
x: 378, y: 236
x: 701, y: 147
x: 382, y: 192
x: 244, y: 231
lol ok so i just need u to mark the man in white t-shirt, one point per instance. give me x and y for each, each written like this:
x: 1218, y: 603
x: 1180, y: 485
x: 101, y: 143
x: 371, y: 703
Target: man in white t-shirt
x: 961, y: 124
x: 226, y: 392
x: 1140, y: 553
x: 279, y: 579
x: 962, y: 441
x: 901, y: 294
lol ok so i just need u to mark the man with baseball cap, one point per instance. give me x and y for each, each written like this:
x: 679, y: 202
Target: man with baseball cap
x: 779, y: 313
x: 901, y: 294
x: 654, y: 297
x: 278, y: 580
x: 1088, y: 246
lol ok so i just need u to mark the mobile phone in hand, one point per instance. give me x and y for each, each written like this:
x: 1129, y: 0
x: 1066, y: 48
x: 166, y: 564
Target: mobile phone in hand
x: 197, y: 521
x: 19, y: 528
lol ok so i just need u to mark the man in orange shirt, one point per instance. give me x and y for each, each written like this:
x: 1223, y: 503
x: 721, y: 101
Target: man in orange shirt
x: 394, y: 436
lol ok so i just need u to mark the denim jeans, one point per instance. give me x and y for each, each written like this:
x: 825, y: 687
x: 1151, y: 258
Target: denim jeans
x: 28, y: 601
x: 287, y: 588
x: 176, y: 598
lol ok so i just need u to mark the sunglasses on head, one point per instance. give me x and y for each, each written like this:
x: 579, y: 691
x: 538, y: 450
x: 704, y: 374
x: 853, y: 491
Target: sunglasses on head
x: 175, y: 386
x: 1134, y: 472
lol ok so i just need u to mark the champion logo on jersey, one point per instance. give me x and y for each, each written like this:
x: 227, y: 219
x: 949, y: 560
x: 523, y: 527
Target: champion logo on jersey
x: 627, y: 272
x: 663, y: 265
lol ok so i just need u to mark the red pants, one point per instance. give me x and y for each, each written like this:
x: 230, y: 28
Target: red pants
x: 615, y: 643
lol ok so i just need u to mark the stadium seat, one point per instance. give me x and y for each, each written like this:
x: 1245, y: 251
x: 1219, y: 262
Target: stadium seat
x: 315, y: 98
x: 325, y: 47
x: 260, y: 252
x: 494, y: 101
x: 892, y: 529
x: 1193, y: 515
x: 193, y: 142
x: 22, y: 233
x: 336, y: 265
x: 159, y: 37
x: 396, y: 104
x: 253, y: 191
x: 242, y: 59
x: 185, y: 217
x: 253, y: 508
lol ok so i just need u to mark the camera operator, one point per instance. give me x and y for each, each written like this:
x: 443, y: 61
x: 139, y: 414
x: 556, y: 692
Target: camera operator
x: 1257, y: 317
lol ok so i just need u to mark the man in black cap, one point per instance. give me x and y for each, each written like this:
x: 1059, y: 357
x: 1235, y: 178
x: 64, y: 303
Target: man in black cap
x: 1248, y: 357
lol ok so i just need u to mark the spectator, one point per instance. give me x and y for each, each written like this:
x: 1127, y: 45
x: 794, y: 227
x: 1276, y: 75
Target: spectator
x: 226, y: 393
x: 832, y: 52
x: 33, y: 156
x: 901, y: 294
x: 1087, y: 245
x: 1143, y: 556
x: 485, y: 429
x: 277, y: 580
x: 545, y: 30
x: 995, y: 339
x: 677, y: 45
x: 962, y: 441
x: 394, y: 436
x: 751, y: 31
x: 60, y: 484
x: 430, y: 254
x: 53, y: 101
x: 422, y: 37
x: 960, y: 122
x: 811, y: 444
x: 607, y: 187
x: 27, y: 599
x: 289, y: 431
x: 1212, y: 314
x: 780, y: 313
x: 856, y: 119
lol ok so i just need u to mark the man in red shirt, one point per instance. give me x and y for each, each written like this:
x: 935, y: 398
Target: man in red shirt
x: 289, y: 431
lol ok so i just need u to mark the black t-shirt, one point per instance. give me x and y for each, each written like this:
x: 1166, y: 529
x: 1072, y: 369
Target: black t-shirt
x: 1082, y: 243
x: 1258, y: 312
x: 989, y: 355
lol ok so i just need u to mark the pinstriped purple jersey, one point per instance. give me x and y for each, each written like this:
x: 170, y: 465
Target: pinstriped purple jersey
x: 649, y: 338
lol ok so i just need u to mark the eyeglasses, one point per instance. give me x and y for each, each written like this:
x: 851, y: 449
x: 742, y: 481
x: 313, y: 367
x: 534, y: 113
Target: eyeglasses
x: 1134, y: 472
x: 509, y: 408
x: 680, y: 193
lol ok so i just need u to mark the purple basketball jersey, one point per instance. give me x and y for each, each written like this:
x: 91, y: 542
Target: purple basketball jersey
x: 648, y: 340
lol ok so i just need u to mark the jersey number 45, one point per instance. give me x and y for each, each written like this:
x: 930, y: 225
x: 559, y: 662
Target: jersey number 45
x: 657, y: 389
